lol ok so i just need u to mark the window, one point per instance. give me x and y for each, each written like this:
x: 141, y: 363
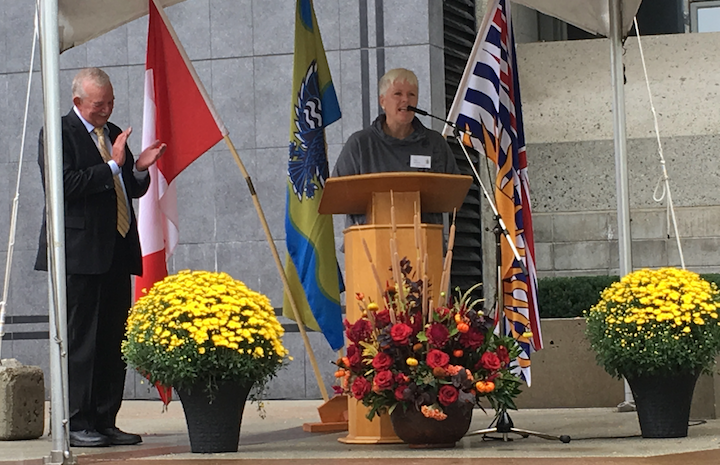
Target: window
x: 705, y: 16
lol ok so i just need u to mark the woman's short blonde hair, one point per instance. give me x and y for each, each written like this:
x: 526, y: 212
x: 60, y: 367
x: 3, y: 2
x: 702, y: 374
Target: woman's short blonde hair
x: 396, y: 74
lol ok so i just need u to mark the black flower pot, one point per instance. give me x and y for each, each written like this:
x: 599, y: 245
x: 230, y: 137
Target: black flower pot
x: 418, y: 431
x: 213, y: 419
x: 663, y: 403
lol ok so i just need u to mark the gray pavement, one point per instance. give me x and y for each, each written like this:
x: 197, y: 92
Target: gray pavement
x: 598, y: 436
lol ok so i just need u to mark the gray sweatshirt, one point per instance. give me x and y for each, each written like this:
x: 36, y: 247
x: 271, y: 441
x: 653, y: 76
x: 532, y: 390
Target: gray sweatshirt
x: 372, y: 151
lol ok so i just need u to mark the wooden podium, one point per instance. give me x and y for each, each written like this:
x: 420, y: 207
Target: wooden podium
x: 370, y: 194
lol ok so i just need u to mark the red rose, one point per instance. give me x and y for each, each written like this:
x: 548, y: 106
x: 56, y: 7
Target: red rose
x: 437, y: 334
x: 472, y: 339
x: 354, y: 356
x: 503, y: 355
x: 490, y: 361
x: 437, y: 359
x: 382, y: 318
x: 447, y: 394
x: 400, y: 392
x: 400, y: 333
x: 360, y: 388
x: 382, y: 361
x: 384, y: 379
x: 358, y: 331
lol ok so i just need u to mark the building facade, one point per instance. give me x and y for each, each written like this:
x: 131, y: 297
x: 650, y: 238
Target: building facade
x: 242, y: 50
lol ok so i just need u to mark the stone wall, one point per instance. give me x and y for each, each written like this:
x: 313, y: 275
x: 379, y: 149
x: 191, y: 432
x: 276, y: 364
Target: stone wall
x: 243, y: 53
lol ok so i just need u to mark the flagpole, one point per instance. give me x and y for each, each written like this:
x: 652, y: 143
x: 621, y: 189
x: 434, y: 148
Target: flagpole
x: 621, y: 174
x: 281, y: 270
x: 60, y: 452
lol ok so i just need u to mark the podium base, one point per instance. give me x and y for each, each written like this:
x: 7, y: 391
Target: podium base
x: 370, y: 440
x: 363, y: 431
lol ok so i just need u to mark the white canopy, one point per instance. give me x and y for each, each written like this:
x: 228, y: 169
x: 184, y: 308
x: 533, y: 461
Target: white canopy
x: 82, y: 20
x: 590, y: 15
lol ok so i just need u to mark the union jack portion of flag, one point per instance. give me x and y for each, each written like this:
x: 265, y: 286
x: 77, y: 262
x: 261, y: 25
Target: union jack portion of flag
x: 487, y: 104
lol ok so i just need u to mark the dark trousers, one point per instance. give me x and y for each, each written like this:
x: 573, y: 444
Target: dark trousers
x: 97, y: 309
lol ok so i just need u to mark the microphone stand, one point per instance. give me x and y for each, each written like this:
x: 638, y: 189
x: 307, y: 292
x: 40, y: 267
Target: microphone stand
x: 502, y: 422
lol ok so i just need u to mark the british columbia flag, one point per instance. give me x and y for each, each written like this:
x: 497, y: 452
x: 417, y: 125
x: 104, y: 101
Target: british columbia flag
x: 487, y: 105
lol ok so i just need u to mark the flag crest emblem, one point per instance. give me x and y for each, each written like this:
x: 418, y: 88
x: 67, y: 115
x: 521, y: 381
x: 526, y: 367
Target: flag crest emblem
x: 308, y: 167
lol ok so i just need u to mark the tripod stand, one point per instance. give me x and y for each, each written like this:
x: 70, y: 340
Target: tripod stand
x: 502, y: 423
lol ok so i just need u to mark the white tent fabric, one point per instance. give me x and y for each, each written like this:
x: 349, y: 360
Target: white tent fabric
x: 82, y: 20
x: 590, y: 15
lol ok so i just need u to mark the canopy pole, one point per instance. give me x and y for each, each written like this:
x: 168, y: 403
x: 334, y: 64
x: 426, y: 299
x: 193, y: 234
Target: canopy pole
x: 281, y: 270
x: 620, y: 131
x: 54, y: 205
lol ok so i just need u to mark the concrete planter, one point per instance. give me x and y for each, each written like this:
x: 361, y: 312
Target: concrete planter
x: 565, y: 375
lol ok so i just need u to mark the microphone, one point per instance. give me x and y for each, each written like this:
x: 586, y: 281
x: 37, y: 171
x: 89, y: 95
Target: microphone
x: 418, y: 111
x: 449, y: 123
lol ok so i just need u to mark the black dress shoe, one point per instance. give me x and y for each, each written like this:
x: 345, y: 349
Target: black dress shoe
x: 120, y: 438
x: 88, y: 438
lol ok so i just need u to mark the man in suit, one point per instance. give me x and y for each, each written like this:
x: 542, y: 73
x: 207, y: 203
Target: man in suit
x: 102, y: 249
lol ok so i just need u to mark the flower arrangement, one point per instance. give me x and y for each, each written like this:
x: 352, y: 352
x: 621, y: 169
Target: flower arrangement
x: 403, y: 352
x: 200, y: 326
x: 661, y: 322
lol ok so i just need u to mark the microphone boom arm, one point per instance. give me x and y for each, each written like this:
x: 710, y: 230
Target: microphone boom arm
x: 501, y: 223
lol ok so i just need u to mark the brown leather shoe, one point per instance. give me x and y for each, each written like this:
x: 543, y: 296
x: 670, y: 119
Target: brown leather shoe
x: 88, y: 438
x: 120, y: 438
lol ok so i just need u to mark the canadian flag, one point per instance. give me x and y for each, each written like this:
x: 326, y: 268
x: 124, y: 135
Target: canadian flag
x: 179, y: 113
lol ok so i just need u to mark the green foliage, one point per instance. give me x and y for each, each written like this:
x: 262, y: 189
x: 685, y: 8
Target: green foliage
x: 569, y: 297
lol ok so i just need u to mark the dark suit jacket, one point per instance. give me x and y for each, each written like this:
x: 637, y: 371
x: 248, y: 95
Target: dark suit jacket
x: 90, y: 202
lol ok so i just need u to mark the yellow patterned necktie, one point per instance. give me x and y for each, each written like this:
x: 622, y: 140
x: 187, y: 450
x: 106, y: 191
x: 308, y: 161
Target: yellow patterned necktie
x: 123, y: 217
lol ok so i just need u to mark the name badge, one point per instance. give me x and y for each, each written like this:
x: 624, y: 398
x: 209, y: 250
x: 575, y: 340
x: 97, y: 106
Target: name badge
x: 420, y: 161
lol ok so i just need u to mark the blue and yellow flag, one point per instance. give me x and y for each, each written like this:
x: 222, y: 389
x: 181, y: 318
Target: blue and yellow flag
x: 311, y: 264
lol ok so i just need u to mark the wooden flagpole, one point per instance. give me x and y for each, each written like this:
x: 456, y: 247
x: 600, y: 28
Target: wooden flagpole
x: 281, y: 270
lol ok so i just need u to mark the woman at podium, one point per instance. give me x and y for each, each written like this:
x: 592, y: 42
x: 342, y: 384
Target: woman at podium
x: 396, y: 140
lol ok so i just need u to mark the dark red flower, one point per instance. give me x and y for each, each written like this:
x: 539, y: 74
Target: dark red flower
x: 472, y: 339
x: 354, y: 355
x: 437, y: 334
x: 382, y: 361
x: 382, y: 318
x: 384, y: 379
x: 437, y: 359
x: 447, y: 394
x: 400, y: 392
x: 400, y: 333
x: 358, y: 331
x: 442, y: 311
x: 402, y: 378
x: 360, y: 388
x: 503, y: 355
x: 490, y: 361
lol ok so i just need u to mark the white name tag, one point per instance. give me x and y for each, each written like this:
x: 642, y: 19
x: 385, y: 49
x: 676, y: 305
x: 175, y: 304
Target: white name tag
x: 420, y: 161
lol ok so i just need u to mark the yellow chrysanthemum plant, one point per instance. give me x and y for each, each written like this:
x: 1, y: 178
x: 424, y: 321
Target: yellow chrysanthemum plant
x: 656, y: 322
x: 200, y: 326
